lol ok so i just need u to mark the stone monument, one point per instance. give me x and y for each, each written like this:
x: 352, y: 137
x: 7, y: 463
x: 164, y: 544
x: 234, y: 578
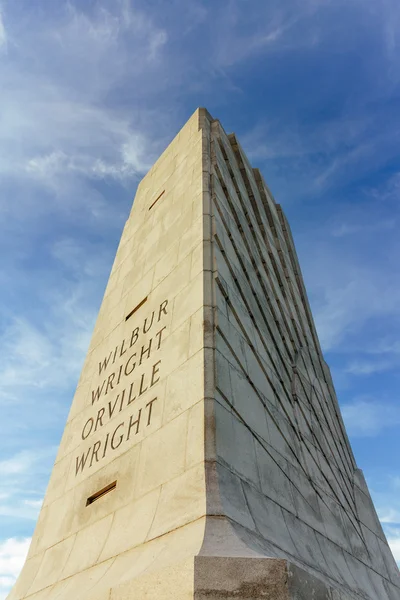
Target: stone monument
x: 204, y: 456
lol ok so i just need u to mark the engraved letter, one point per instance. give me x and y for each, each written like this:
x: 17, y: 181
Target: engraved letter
x: 144, y: 351
x: 100, y: 416
x: 122, y: 348
x: 121, y: 404
x: 131, y: 398
x: 150, y: 405
x: 132, y: 423
x: 96, y: 395
x: 89, y: 430
x: 154, y: 373
x: 119, y: 374
x: 127, y: 363
x: 104, y: 364
x: 159, y: 333
x: 121, y: 437
x: 141, y: 390
x: 111, y: 410
x: 105, y: 445
x: 109, y: 382
x: 134, y: 337
x: 96, y: 448
x: 163, y: 309
x: 145, y: 330
x: 115, y: 353
x: 81, y: 462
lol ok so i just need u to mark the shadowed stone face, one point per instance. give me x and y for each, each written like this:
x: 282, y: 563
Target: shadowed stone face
x: 204, y: 456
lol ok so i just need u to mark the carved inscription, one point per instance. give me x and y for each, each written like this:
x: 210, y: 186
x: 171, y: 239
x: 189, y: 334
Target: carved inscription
x: 133, y: 367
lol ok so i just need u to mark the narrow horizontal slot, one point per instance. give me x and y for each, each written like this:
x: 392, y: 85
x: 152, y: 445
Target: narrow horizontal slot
x: 101, y: 493
x: 156, y: 200
x: 136, y: 308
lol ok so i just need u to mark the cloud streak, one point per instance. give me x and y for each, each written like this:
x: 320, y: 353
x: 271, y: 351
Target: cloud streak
x: 394, y: 543
x: 345, y: 229
x: 368, y: 418
x: 48, y: 353
x: 13, y: 552
x: 60, y: 123
x: 3, y: 35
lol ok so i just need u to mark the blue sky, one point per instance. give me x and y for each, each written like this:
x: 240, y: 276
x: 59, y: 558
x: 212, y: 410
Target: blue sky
x: 91, y: 92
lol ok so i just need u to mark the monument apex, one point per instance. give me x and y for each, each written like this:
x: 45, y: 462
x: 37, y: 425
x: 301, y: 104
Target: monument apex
x: 204, y: 455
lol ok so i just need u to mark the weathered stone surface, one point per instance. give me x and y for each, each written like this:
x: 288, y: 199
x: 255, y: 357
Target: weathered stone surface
x: 204, y: 456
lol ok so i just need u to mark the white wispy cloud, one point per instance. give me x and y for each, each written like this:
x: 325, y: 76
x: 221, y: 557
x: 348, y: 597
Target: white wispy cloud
x: 361, y: 366
x: 323, y: 158
x: 13, y: 552
x: 62, y: 122
x: 353, y: 141
x: 35, y: 504
x: 18, y: 511
x: 390, y: 16
x: 23, y: 478
x: 342, y: 308
x: 393, y: 539
x: 386, y: 345
x: 3, y: 35
x: 273, y: 27
x: 391, y: 190
x: 90, y: 142
x: 367, y: 418
x: 345, y: 281
x: 17, y: 464
x: 389, y: 515
x: 46, y: 356
x: 345, y: 229
x: 384, y: 489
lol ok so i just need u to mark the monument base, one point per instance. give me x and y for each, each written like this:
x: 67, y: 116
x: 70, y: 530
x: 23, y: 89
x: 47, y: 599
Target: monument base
x: 228, y: 578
